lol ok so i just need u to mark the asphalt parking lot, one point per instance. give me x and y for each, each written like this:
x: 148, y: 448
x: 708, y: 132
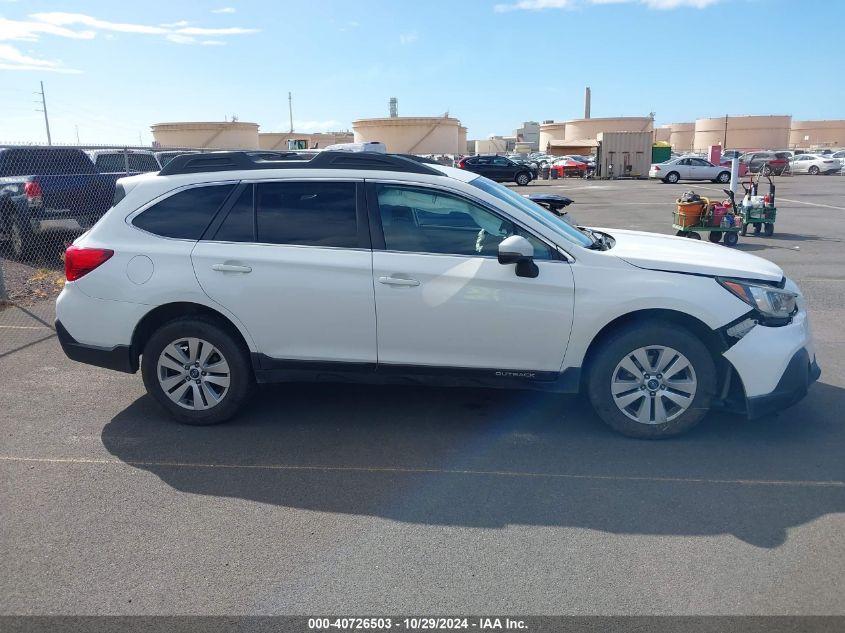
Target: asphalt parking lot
x: 369, y: 500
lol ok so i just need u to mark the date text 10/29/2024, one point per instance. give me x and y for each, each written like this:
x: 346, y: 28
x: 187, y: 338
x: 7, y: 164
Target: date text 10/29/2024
x: 416, y: 624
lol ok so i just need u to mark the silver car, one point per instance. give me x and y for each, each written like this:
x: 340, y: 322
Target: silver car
x: 689, y: 168
x: 814, y: 164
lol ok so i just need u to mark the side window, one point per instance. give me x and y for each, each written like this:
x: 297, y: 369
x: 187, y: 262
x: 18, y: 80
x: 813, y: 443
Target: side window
x: 185, y: 214
x: 239, y: 225
x: 307, y: 213
x: 425, y: 221
x: 501, y: 162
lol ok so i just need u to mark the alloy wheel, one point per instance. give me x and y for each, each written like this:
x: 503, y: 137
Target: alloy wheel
x: 193, y: 373
x: 654, y: 384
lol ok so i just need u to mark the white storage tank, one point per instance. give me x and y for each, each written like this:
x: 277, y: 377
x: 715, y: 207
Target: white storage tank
x: 682, y: 136
x: 207, y: 135
x: 411, y: 135
x: 815, y: 134
x: 551, y: 131
x: 743, y: 132
x: 591, y: 128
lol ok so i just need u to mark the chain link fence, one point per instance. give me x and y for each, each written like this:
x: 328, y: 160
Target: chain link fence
x: 48, y: 196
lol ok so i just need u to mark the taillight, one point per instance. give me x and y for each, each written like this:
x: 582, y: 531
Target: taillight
x: 80, y: 261
x: 656, y: 168
x: 32, y: 189
x: 462, y: 163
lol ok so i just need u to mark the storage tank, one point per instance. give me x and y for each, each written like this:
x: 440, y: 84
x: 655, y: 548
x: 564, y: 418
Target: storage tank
x: 682, y: 136
x: 743, y: 132
x: 551, y: 131
x: 590, y: 128
x: 462, y: 139
x: 411, y: 135
x: 207, y: 135
x: 812, y: 134
x: 662, y: 134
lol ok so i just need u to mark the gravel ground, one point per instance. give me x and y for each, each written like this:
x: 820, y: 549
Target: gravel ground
x: 28, y: 284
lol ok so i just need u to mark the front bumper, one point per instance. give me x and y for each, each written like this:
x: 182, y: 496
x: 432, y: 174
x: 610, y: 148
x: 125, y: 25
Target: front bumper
x: 801, y: 372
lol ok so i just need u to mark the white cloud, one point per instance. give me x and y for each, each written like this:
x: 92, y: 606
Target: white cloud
x: 408, y: 38
x: 176, y: 38
x: 175, y: 25
x: 224, y: 10
x: 315, y: 126
x: 213, y: 43
x: 541, y: 5
x: 29, y: 31
x: 13, y: 59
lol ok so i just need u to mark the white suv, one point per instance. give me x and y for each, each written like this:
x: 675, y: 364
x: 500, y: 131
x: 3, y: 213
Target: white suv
x: 223, y: 270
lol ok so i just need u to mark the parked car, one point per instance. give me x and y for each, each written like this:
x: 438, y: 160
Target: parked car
x: 566, y: 166
x: 689, y: 168
x: 766, y: 162
x: 730, y: 154
x: 815, y: 164
x: 130, y: 161
x: 499, y: 168
x: 48, y: 190
x: 840, y: 155
x: 385, y: 269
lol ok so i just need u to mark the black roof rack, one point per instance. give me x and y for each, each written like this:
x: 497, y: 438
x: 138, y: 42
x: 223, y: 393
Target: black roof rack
x: 252, y: 160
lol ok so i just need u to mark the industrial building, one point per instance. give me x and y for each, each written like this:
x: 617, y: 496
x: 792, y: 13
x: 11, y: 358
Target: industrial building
x: 577, y: 136
x: 283, y: 141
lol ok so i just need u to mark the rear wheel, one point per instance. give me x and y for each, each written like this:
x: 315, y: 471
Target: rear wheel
x: 653, y: 381
x: 731, y: 239
x: 724, y: 177
x: 693, y: 235
x: 523, y: 179
x: 196, y: 370
x: 744, y: 230
x: 672, y: 177
x: 715, y: 236
x: 767, y: 170
x: 20, y: 238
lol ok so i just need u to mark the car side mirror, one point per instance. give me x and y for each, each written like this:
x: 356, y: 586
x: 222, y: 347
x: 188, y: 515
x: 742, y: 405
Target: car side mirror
x: 518, y: 250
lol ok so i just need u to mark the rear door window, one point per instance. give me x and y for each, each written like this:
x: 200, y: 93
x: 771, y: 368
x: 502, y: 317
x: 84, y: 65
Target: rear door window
x: 307, y: 214
x: 186, y: 214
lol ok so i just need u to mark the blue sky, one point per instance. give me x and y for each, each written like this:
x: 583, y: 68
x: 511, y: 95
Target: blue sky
x: 114, y: 68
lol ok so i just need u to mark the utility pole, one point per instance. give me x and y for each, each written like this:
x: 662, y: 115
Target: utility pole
x: 725, y: 138
x: 76, y: 127
x: 290, y: 110
x: 44, y: 110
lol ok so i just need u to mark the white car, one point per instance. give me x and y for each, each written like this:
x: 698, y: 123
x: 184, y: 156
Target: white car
x: 222, y: 270
x: 840, y: 156
x: 815, y: 164
x: 689, y: 168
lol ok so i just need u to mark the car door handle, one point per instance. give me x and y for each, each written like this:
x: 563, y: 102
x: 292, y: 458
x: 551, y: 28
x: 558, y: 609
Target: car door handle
x: 231, y: 268
x: 398, y: 281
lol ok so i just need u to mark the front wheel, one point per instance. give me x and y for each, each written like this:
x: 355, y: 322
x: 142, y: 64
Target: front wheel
x: 693, y: 235
x: 523, y: 179
x: 715, y: 236
x: 196, y: 370
x: 731, y: 239
x: 744, y: 230
x: 652, y: 381
x: 768, y: 229
x: 813, y: 171
x: 767, y: 170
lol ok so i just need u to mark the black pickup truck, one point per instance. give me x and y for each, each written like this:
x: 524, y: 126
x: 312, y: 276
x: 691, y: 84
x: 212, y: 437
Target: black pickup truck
x: 49, y: 190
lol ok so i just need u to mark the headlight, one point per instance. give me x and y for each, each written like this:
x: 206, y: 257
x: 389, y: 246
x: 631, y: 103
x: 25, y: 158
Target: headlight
x: 773, y: 303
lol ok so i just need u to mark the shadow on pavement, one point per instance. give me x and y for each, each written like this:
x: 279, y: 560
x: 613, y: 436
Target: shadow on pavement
x: 489, y: 459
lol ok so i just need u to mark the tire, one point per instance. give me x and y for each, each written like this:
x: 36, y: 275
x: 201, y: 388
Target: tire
x: 724, y: 177
x: 813, y: 171
x: 522, y: 178
x: 21, y: 239
x: 744, y: 230
x: 672, y: 177
x: 715, y: 236
x: 731, y: 239
x: 219, y: 400
x: 687, y: 388
x: 693, y: 235
x: 767, y: 170
x: 768, y: 229
x: 681, y: 234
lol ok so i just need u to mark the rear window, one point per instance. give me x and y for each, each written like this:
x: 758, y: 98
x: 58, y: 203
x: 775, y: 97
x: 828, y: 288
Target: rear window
x: 186, y: 214
x: 108, y: 163
x: 44, y: 162
x: 307, y: 214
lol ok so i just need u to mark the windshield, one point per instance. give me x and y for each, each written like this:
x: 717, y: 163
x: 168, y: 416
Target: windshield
x: 537, y: 212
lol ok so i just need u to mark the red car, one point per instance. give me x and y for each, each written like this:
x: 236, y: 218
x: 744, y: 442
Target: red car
x: 567, y: 167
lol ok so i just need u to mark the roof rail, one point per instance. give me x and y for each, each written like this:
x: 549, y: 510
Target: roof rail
x: 251, y: 160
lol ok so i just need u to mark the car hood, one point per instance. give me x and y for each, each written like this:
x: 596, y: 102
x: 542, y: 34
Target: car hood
x: 683, y: 255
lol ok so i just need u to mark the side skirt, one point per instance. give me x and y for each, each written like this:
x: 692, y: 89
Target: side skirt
x: 273, y: 370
